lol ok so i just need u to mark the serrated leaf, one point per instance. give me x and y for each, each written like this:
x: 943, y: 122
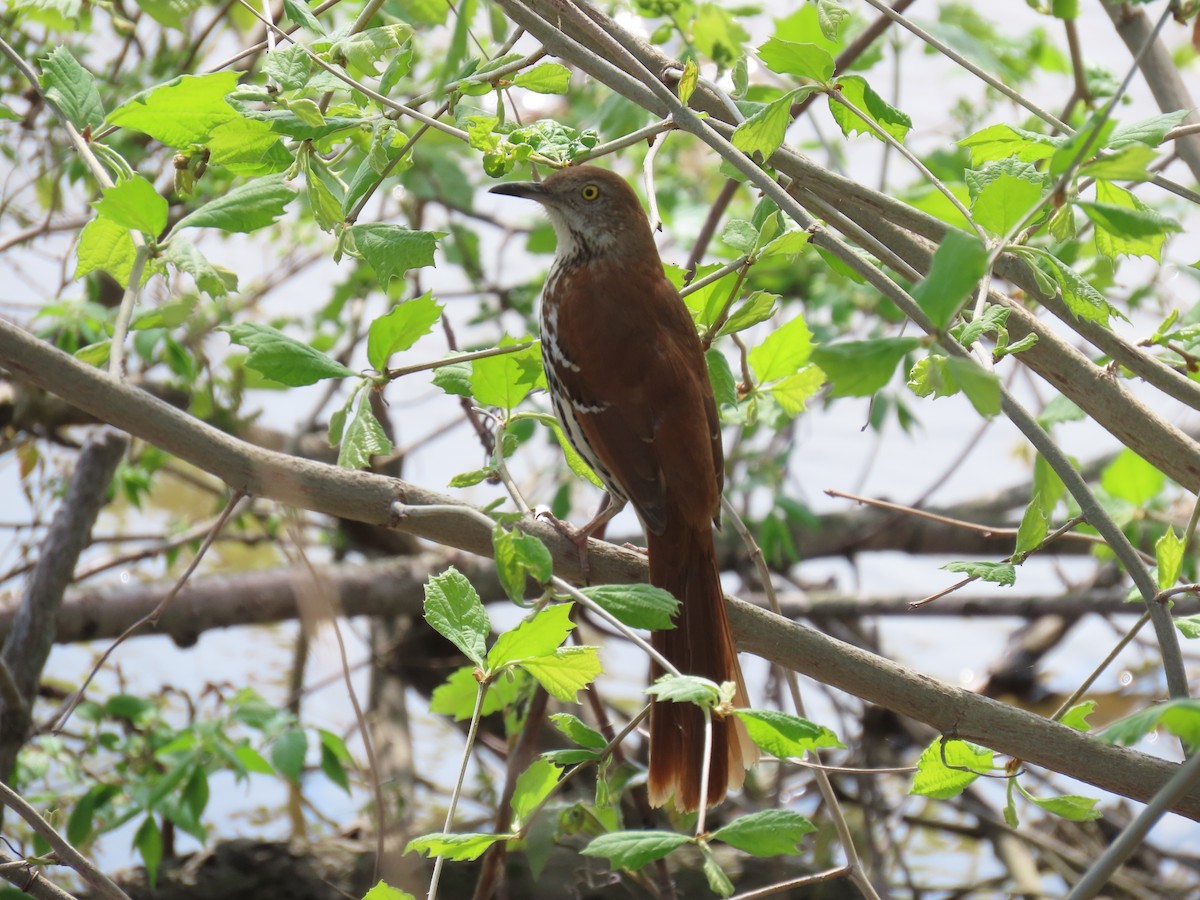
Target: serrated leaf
x: 539, y: 635
x: 860, y: 368
x: 1168, y: 552
x: 399, y: 329
x: 567, y: 672
x: 72, y: 88
x: 740, y: 234
x: 282, y: 358
x: 1146, y: 131
x: 248, y: 207
x: 782, y: 352
x: 634, y: 849
x: 392, y: 250
x: 134, y: 203
x: 453, y: 609
x: 363, y: 51
x: 1081, y: 298
x: 1004, y: 202
x: 763, y: 132
x: 784, y: 735
x: 1124, y: 225
x: 362, y: 437
x: 546, y: 78
x: 855, y: 89
x: 532, y: 787
x: 384, y: 891
x: 997, y: 573
x: 792, y: 58
x: 1130, y: 164
x: 107, y: 247
x: 686, y: 689
x: 1003, y: 141
x: 298, y: 12
x: 772, y: 832
x: 182, y: 112
x: 942, y: 780
x: 1189, y: 626
x: 636, y: 605
x: 505, y: 380
x: 793, y: 393
x: 454, y: 847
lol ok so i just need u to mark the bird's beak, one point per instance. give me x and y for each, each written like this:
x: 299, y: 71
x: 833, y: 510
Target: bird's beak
x: 528, y: 190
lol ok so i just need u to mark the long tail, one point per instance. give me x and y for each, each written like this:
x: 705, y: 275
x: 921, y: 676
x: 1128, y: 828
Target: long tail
x: 699, y: 644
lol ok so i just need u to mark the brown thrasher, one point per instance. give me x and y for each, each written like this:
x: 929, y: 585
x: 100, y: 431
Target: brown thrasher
x: 629, y: 384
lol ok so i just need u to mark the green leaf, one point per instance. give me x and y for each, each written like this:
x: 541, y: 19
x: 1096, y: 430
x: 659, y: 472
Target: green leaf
x: 547, y: 78
x: 134, y: 203
x: 1130, y: 164
x: 718, y: 882
x: 456, y: 696
x: 575, y: 730
x: 575, y: 462
x: 149, y: 843
x: 792, y: 393
x: 1179, y: 717
x: 740, y: 234
x: 1131, y: 478
x: 362, y: 435
x: 688, y: 81
x: 399, y: 329
x: 363, y: 51
x: 1076, y: 716
x: 860, y: 368
x: 183, y: 111
x: 298, y: 12
x: 772, y: 832
x: 505, y: 380
x: 981, y: 386
x: 634, y: 849
x: 517, y: 554
x: 334, y: 759
x: 997, y: 573
x: 80, y: 824
x: 783, y: 734
x: 1081, y: 298
x: 1004, y: 141
x: 72, y: 88
x: 288, y: 752
x: 105, y: 246
x: 721, y: 375
x: 1124, y: 225
x: 453, y: 609
x: 792, y: 58
x: 782, y: 352
x: 567, y: 672
x: 289, y: 66
x: 1004, y: 202
x: 1168, y: 551
x: 830, y: 16
x: 454, y: 847
x: 253, y: 761
x: 790, y: 243
x: 532, y: 787
x: 248, y: 207
x: 856, y: 90
x: 942, y: 780
x: 384, y: 891
x: 539, y: 635
x: 636, y: 605
x: 763, y: 132
x: 212, y: 280
x: 284, y: 359
x: 392, y: 249
x: 1189, y: 626
x: 957, y: 266
x: 1033, y: 529
x: 1071, y: 807
x: 1147, y: 131
x: 686, y: 689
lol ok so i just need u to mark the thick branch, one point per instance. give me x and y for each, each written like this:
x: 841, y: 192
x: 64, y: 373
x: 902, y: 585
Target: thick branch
x: 955, y: 712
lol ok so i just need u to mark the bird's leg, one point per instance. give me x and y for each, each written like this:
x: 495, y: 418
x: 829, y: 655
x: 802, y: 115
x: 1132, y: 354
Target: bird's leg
x: 609, y: 507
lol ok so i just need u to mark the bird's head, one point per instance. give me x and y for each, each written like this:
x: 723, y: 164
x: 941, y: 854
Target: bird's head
x: 595, y: 213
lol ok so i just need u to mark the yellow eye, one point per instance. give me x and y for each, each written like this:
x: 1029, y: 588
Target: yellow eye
x: 589, y: 192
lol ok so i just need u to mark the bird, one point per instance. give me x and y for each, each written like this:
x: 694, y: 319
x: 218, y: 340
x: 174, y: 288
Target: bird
x: 626, y: 374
